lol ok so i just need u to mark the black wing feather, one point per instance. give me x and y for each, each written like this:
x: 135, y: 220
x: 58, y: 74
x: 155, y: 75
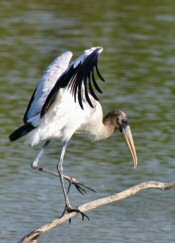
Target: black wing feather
x: 86, y: 92
x: 20, y: 132
x: 25, y: 118
x: 91, y: 89
x: 74, y: 77
x: 99, y: 74
x: 95, y: 83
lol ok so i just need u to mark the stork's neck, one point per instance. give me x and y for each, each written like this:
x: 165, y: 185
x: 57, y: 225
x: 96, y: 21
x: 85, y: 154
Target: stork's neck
x: 105, y: 129
x: 100, y: 129
x: 108, y: 127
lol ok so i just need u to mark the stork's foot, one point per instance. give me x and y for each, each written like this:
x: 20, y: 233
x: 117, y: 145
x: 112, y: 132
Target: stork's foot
x: 79, y: 186
x: 71, y: 180
x: 70, y: 209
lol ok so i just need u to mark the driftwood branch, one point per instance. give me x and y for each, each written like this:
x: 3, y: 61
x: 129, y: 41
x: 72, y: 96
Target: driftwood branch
x: 34, y: 235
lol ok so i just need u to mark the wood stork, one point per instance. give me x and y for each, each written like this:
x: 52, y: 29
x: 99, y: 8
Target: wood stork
x: 65, y: 103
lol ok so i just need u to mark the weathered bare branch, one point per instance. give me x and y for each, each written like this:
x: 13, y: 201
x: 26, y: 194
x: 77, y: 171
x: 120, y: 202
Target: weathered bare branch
x: 33, y: 236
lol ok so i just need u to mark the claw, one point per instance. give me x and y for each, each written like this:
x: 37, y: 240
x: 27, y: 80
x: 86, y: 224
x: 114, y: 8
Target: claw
x: 79, y: 186
x: 70, y: 209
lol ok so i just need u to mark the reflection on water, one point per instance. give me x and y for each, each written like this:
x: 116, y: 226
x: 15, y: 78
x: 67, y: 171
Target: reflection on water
x: 138, y: 64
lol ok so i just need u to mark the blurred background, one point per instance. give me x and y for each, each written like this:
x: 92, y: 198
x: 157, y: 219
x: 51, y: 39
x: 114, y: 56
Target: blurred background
x: 138, y: 64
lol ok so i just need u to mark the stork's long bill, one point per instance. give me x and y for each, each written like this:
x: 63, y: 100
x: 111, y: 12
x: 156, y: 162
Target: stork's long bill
x: 130, y: 142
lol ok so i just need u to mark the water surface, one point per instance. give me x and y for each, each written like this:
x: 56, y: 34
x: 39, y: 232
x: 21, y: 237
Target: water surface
x: 138, y: 64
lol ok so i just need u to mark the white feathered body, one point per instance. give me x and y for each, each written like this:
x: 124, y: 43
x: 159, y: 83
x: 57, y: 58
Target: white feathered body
x: 65, y: 116
x: 65, y: 103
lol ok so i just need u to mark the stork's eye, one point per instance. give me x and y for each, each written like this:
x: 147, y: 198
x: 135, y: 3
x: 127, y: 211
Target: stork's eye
x: 125, y: 122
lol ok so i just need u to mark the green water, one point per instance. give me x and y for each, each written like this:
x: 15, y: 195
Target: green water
x: 138, y: 63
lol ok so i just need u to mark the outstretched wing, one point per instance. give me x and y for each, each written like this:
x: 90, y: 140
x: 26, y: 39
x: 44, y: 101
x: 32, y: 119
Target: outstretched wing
x: 79, y: 77
x: 47, y: 82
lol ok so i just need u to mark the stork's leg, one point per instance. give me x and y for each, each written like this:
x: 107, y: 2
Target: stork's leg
x: 72, y: 180
x: 35, y: 163
x: 60, y: 172
x: 68, y: 206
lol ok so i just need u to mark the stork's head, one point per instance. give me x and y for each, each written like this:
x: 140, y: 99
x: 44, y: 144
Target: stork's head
x: 120, y: 122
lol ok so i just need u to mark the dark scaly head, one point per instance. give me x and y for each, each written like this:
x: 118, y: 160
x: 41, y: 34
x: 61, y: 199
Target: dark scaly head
x: 118, y: 120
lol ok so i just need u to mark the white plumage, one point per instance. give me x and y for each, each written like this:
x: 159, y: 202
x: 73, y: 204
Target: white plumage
x: 65, y: 116
x: 47, y: 82
x: 65, y: 103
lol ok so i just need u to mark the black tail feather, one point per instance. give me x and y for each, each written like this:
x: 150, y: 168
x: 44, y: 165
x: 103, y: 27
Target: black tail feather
x: 20, y: 132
